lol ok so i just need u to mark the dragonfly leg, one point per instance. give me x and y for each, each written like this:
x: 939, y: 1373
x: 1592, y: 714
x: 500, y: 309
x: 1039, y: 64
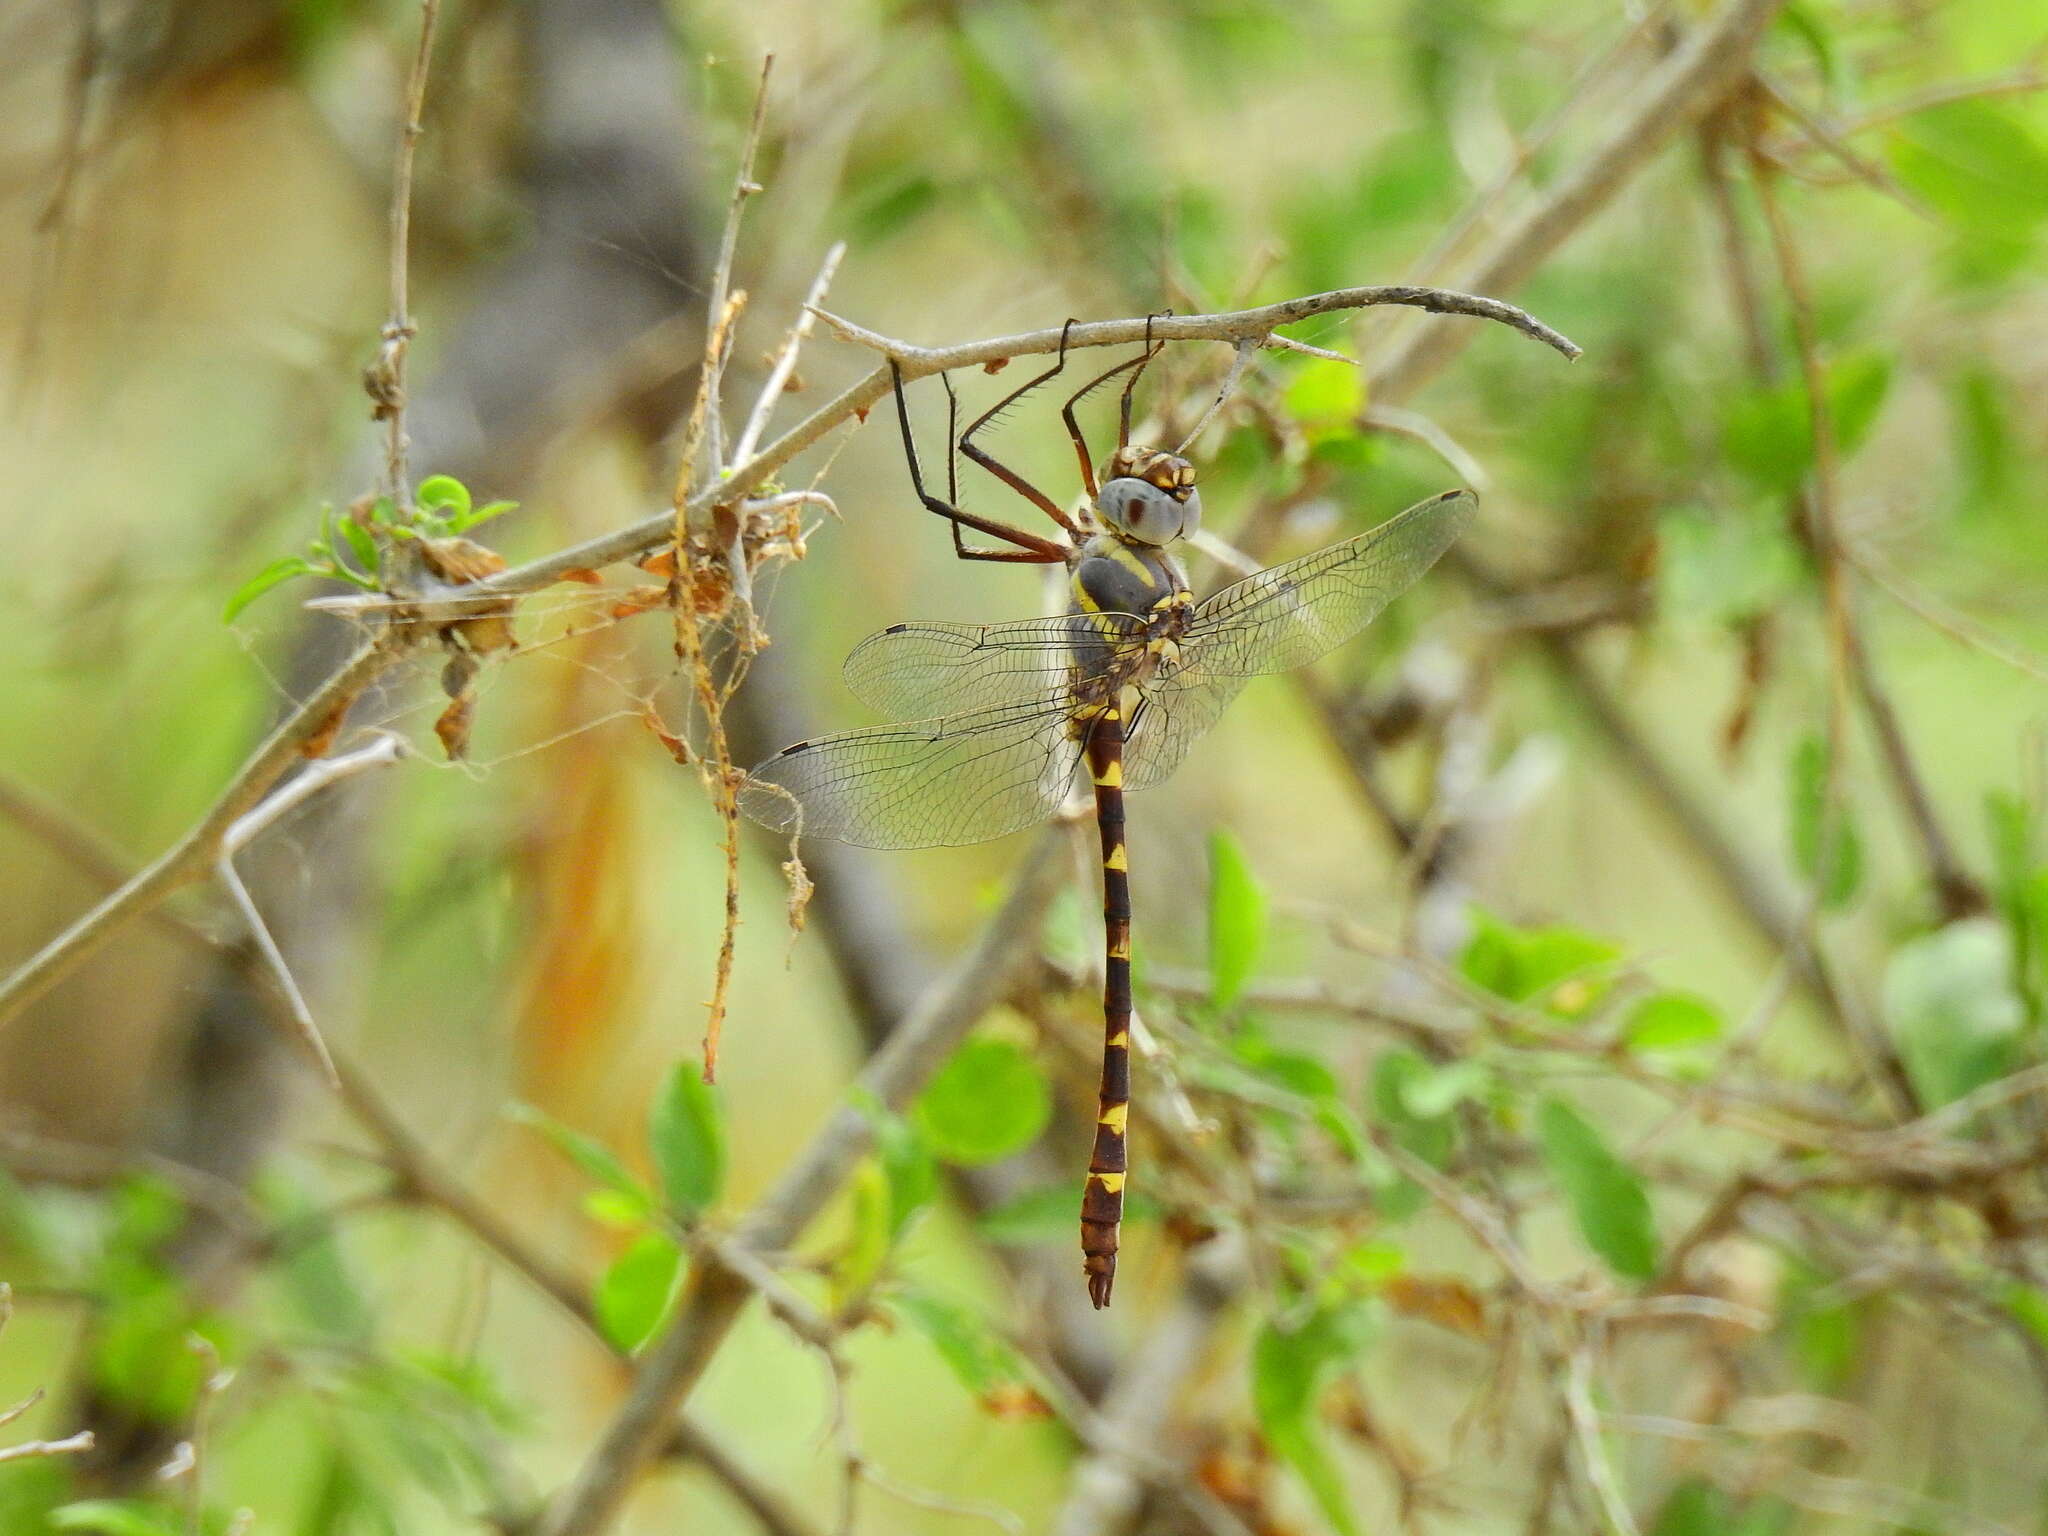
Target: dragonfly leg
x: 1003, y: 472
x: 1102, y: 1201
x: 1152, y: 350
x: 1030, y: 548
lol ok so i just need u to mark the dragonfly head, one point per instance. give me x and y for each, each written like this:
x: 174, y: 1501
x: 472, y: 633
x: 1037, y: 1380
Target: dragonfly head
x: 1148, y: 496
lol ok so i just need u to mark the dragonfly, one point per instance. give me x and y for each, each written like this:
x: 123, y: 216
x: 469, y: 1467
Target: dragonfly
x: 994, y: 724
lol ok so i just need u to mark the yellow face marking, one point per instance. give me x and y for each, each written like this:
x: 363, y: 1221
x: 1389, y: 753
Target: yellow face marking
x: 1115, y: 1117
x: 1112, y: 1183
x: 1112, y: 776
x: 1116, y: 859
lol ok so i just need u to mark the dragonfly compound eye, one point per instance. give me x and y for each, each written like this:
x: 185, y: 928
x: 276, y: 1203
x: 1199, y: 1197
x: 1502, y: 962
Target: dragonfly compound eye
x: 1140, y: 510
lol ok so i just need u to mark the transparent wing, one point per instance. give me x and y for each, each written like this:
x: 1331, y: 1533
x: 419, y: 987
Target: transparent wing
x: 1286, y: 617
x: 1173, y: 712
x: 963, y: 778
x: 910, y: 671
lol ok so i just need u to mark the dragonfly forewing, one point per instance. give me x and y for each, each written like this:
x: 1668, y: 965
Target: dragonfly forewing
x: 1289, y: 615
x: 910, y: 671
x: 943, y: 782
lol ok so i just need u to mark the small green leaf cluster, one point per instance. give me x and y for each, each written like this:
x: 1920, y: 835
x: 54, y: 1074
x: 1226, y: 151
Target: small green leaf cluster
x: 351, y: 548
x: 686, y: 1144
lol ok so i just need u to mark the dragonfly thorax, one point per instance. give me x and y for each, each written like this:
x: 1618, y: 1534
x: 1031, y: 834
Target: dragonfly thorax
x: 1119, y: 575
x: 1148, y: 496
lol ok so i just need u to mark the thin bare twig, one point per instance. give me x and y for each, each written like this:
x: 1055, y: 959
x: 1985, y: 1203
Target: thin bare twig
x: 1578, y: 1396
x: 385, y: 379
x: 785, y: 358
x: 743, y: 187
x: 385, y: 750
x: 70, y: 1446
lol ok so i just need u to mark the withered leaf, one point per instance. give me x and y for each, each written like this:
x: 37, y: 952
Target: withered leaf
x: 453, y: 726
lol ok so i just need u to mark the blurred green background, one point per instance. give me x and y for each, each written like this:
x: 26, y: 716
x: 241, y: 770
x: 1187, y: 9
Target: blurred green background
x: 195, y: 255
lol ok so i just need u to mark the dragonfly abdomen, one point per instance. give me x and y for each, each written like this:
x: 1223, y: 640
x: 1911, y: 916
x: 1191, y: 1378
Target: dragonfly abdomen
x: 1102, y: 1202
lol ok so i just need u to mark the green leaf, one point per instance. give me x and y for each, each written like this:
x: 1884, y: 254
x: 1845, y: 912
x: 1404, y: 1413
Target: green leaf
x: 1556, y: 968
x: 444, y: 494
x: 1857, y: 385
x: 1439, y: 1090
x: 634, y: 1295
x: 688, y: 1140
x: 274, y: 574
x: 989, y: 1101
x: 1694, y: 1508
x: 1800, y: 21
x: 1237, y: 920
x: 1724, y: 566
x: 1949, y: 1002
x: 1767, y: 433
x: 118, y: 1517
x: 1375, y: 1261
x: 1325, y: 395
x: 2029, y: 1308
x: 1429, y: 1137
x: 1296, y: 1071
x: 588, y: 1153
x: 1815, y: 833
x: 610, y: 1208
x: 368, y: 557
x: 1672, y: 1021
x: 1977, y: 164
x: 1827, y: 1333
x: 1290, y: 1362
x: 910, y: 1179
x: 1606, y: 1198
x: 869, y: 1241
x: 484, y: 514
x: 1984, y: 437
x: 984, y: 1362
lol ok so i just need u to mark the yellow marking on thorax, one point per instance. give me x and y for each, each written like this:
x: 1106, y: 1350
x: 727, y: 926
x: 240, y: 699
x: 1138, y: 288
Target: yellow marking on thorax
x: 1115, y: 1117
x: 1116, y: 859
x: 1112, y: 1183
